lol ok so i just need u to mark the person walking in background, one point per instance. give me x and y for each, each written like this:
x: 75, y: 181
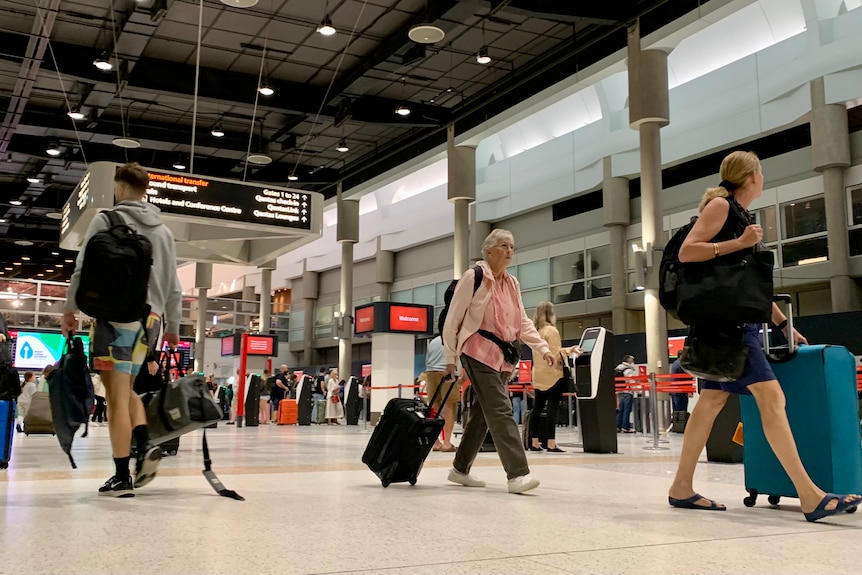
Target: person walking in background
x: 119, y: 349
x: 26, y: 397
x: 100, y: 412
x: 625, y: 399
x: 334, y: 409
x: 435, y: 369
x: 318, y: 392
x: 267, y: 382
x: 548, y: 379
x: 483, y: 330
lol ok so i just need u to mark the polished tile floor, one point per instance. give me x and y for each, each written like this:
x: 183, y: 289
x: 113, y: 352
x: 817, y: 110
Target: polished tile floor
x: 312, y: 507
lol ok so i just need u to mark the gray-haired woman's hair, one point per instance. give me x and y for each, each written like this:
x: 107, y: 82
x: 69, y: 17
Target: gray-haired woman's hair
x: 544, y: 315
x: 494, y: 238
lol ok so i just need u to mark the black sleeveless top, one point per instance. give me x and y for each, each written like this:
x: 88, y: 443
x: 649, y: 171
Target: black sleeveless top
x: 738, y: 218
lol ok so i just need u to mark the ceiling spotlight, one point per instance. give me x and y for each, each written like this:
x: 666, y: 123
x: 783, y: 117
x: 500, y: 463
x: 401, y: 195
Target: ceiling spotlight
x: 180, y: 163
x: 482, y: 56
x: 2, y: 220
x: 240, y: 3
x: 128, y: 143
x: 103, y: 62
x: 54, y: 215
x: 326, y: 28
x: 217, y: 131
x: 16, y: 202
x: 76, y: 113
x: 265, y: 89
x: 34, y: 179
x: 402, y: 110
x: 49, y: 271
x: 259, y: 159
x: 292, y: 177
x: 342, y: 145
x: 26, y: 244
x: 426, y: 33
x: 55, y: 253
x: 9, y: 269
x: 53, y: 149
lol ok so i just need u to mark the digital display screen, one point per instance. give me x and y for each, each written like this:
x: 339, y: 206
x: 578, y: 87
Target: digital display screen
x: 260, y: 344
x: 364, y: 319
x: 589, y: 342
x: 408, y: 318
x: 191, y: 195
x: 35, y: 350
x: 227, y: 345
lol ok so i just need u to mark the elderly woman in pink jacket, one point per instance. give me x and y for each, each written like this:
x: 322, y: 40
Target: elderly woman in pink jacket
x: 483, y: 330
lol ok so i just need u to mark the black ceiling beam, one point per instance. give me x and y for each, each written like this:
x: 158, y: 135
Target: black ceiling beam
x: 605, y: 13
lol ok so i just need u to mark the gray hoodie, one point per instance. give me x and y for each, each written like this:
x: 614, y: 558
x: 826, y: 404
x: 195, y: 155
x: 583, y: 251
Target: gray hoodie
x: 165, y: 297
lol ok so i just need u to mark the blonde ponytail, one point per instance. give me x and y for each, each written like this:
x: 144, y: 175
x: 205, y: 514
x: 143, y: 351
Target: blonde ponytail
x: 735, y: 170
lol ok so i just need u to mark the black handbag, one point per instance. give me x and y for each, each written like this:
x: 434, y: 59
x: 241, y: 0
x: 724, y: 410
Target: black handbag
x: 736, y: 290
x: 567, y: 379
x: 718, y: 354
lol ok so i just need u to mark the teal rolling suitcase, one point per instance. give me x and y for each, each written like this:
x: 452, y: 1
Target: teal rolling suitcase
x: 819, y: 382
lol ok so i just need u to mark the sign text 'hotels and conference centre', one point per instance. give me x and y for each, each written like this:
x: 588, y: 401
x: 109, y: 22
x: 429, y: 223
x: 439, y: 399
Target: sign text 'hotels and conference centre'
x: 196, y: 196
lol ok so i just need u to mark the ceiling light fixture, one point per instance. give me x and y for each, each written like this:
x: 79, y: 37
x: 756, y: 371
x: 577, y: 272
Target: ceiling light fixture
x: 179, y: 163
x: 54, y: 215
x: 265, y: 89
x: 2, y: 220
x: 240, y: 3
x: 342, y: 146
x: 128, y: 143
x: 292, y: 177
x: 16, y: 202
x: 53, y: 149
x: 34, y: 179
x: 426, y: 33
x: 482, y: 56
x: 217, y: 131
x: 24, y: 243
x: 259, y: 159
x: 402, y: 110
x: 55, y: 253
x: 103, y: 62
x: 326, y: 28
x: 76, y: 113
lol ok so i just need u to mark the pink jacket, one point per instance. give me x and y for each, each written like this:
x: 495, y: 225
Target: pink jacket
x: 467, y: 310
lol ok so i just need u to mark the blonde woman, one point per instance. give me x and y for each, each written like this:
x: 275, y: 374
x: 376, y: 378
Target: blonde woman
x: 718, y: 232
x: 547, y: 379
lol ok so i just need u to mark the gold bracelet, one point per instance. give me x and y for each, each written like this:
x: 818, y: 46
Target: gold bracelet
x: 715, y: 250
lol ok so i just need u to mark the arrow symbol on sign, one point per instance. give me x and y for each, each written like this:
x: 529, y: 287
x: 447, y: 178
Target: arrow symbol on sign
x: 304, y: 212
x: 304, y: 219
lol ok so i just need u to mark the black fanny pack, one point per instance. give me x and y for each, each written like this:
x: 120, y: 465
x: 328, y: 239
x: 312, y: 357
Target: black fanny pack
x: 511, y: 350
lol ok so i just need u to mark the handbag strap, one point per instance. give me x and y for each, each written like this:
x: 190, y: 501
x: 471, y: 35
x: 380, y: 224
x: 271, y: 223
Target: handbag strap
x: 212, y: 478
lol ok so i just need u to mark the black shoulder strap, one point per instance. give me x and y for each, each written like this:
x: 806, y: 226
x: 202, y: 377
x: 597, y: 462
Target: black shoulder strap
x: 114, y: 218
x: 478, y: 276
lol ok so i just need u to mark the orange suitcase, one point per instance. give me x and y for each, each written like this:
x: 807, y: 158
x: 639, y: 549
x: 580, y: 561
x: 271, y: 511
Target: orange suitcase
x: 288, y: 412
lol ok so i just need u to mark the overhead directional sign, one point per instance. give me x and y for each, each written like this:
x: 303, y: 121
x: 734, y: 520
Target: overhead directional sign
x: 211, y: 198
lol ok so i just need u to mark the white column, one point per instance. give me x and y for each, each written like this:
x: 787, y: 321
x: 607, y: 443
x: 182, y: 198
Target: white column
x: 203, y: 281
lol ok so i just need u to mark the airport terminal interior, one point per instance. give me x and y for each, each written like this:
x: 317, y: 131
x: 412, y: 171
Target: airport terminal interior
x: 327, y: 168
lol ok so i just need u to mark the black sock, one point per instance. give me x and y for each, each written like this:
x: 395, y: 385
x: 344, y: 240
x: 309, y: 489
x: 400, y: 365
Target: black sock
x: 142, y: 437
x: 122, y: 466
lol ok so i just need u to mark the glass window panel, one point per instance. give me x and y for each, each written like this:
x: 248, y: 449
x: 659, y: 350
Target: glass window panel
x: 534, y: 274
x: 630, y: 252
x: 569, y: 292
x: 56, y: 291
x: 10, y: 303
x: 441, y: 292
x: 52, y: 321
x: 323, y: 331
x: 767, y: 220
x: 563, y: 268
x: 20, y: 319
x: 533, y: 297
x: 856, y: 242
x: 599, y: 260
x: 560, y: 294
x: 803, y: 217
x: 513, y: 271
x: 297, y: 335
x: 804, y: 252
x: 297, y: 319
x: 18, y: 287
x: 323, y: 315
x: 599, y: 287
x: 424, y: 295
x: 632, y: 282
x: 403, y: 296
x: 856, y: 205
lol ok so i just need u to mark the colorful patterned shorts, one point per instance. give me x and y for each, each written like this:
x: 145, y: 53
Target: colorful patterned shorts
x: 123, y: 347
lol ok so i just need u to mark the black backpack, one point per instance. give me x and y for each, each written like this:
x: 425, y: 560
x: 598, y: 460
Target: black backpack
x: 10, y: 381
x: 478, y: 276
x: 668, y: 270
x: 115, y: 276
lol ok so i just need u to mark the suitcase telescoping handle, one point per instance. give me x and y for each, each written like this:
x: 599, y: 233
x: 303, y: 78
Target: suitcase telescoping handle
x: 437, y: 391
x: 787, y: 352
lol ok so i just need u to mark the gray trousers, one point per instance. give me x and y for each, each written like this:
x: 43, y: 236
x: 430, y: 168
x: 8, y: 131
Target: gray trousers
x: 491, y: 410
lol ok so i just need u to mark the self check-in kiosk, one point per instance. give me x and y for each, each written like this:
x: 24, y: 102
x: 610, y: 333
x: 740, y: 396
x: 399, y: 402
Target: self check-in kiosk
x: 352, y: 400
x: 304, y: 399
x: 594, y: 376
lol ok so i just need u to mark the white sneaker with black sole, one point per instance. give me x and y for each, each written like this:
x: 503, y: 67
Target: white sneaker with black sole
x: 147, y: 465
x: 114, y: 487
x: 522, y: 484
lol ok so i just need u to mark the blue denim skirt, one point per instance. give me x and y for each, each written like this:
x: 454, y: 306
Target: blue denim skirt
x: 757, y: 368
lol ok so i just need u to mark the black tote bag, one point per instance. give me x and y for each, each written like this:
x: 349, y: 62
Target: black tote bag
x: 738, y: 290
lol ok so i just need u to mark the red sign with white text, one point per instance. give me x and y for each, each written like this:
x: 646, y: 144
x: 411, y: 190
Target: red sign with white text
x: 260, y: 345
x: 525, y: 371
x: 674, y: 345
x: 366, y: 370
x: 412, y: 319
x: 227, y: 345
x: 364, y: 319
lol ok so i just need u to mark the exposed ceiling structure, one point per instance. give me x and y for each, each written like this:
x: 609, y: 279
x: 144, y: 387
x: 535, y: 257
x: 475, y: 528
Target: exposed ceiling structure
x: 328, y: 90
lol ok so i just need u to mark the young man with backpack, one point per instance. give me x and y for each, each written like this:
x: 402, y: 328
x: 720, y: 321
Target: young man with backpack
x: 119, y: 348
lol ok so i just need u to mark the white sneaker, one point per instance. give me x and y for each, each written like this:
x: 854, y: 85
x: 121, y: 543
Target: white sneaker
x: 522, y: 484
x: 464, y: 479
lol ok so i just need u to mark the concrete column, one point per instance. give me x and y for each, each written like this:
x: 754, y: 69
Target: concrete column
x: 265, y: 299
x: 617, y: 215
x: 385, y: 272
x: 830, y: 151
x: 649, y: 110
x: 203, y: 282
x: 478, y: 232
x: 347, y: 235
x: 310, y: 289
x: 461, y: 191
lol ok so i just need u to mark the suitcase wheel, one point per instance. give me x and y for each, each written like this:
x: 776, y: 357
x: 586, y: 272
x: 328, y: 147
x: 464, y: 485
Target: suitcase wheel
x: 412, y: 481
x: 5, y: 465
x: 852, y: 510
x: 751, y: 500
x: 384, y: 483
x: 774, y: 499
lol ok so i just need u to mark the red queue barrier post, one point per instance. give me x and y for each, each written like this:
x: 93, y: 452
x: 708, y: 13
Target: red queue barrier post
x: 243, y: 364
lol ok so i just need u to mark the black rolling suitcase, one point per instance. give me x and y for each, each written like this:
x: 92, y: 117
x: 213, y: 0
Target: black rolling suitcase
x: 403, y: 439
x: 170, y: 447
